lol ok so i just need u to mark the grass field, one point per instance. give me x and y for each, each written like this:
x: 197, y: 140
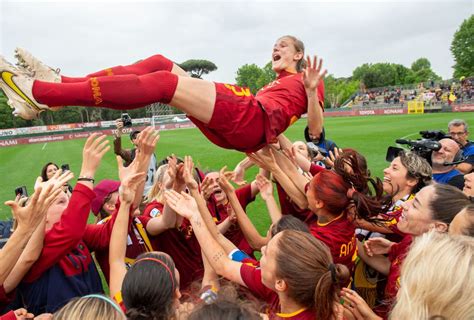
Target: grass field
x: 20, y: 165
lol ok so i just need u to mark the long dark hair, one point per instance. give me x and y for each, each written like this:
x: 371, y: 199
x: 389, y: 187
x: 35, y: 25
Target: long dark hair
x: 148, y: 289
x: 44, y: 170
x: 312, y: 278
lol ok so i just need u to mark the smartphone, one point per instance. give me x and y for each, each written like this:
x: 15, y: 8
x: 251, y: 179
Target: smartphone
x: 65, y: 167
x: 21, y: 191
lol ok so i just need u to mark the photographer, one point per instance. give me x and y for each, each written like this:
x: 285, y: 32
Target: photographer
x: 458, y: 130
x: 319, y: 145
x: 443, y: 171
x: 129, y: 154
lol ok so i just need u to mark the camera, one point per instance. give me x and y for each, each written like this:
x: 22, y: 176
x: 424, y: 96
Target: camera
x: 21, y: 191
x: 422, y: 147
x: 65, y: 167
x: 127, y: 120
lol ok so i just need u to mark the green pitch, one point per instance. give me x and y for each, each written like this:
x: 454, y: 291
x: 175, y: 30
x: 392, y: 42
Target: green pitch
x: 20, y: 165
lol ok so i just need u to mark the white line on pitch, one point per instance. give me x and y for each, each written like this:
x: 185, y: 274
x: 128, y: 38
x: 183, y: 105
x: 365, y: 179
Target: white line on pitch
x: 44, y: 146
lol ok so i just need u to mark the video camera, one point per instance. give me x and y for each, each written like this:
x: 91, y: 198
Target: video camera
x: 422, y: 147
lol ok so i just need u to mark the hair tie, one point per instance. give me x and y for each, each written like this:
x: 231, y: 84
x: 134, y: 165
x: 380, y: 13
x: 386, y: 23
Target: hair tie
x: 350, y: 192
x: 162, y: 263
x: 332, y: 268
x: 99, y: 296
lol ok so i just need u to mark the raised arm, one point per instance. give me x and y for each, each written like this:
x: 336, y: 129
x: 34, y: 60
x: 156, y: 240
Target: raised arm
x: 266, y: 160
x: 266, y: 192
x: 251, y: 234
x: 311, y: 77
x: 29, y: 219
x: 64, y: 235
x: 186, y: 206
x: 118, y: 239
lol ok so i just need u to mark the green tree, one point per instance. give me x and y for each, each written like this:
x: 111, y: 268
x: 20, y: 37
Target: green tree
x: 254, y: 77
x: 422, y: 72
x: 197, y: 68
x: 462, y: 49
x: 338, y: 90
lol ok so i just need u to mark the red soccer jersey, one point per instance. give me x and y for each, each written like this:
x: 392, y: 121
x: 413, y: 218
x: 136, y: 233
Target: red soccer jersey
x: 284, y: 101
x: 314, y: 169
x: 396, y: 256
x: 252, y: 278
x: 234, y: 234
x: 289, y: 207
x: 181, y: 244
x: 339, y: 236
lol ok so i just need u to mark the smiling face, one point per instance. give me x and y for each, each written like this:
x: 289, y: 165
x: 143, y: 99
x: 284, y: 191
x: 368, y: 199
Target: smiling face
x: 395, y: 179
x: 417, y: 217
x: 285, y: 55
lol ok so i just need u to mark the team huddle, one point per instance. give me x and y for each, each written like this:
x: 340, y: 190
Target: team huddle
x: 175, y: 242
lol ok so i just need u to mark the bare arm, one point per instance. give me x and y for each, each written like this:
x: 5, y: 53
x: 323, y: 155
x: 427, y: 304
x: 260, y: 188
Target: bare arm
x: 186, y: 206
x: 29, y: 256
x: 251, y: 234
x: 118, y: 238
x: 311, y: 78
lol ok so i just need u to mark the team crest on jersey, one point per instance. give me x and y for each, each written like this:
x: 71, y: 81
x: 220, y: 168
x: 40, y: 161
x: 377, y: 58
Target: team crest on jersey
x: 155, y: 212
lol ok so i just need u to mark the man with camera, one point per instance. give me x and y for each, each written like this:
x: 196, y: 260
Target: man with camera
x: 458, y: 130
x: 129, y: 154
x: 443, y: 163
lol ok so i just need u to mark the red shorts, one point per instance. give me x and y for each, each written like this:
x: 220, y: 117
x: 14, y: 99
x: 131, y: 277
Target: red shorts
x: 238, y: 121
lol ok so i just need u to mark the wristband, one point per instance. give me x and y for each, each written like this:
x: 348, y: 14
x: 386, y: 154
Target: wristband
x: 86, y: 179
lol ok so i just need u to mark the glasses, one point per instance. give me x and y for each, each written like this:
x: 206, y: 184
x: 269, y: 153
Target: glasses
x: 457, y: 133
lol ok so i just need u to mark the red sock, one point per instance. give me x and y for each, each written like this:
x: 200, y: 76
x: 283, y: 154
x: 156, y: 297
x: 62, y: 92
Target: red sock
x: 148, y: 65
x: 115, y: 92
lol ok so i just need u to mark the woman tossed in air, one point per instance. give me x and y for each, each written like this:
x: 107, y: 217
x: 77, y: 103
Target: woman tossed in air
x: 228, y: 115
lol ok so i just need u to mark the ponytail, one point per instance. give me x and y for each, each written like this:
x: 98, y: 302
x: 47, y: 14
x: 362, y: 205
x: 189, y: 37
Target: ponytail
x: 327, y: 289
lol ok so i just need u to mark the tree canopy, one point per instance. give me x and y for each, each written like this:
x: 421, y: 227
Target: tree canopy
x: 198, y: 67
x: 462, y: 49
x: 254, y: 77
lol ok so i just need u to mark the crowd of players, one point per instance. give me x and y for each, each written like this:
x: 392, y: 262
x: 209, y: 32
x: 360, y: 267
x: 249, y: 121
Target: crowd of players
x: 342, y: 244
x: 174, y: 242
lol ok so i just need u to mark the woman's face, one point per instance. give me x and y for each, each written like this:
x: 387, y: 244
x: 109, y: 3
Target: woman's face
x: 469, y: 184
x: 416, y: 217
x: 285, y: 56
x: 302, y: 148
x: 268, y: 262
x: 395, y: 178
x: 51, y: 170
x: 56, y: 209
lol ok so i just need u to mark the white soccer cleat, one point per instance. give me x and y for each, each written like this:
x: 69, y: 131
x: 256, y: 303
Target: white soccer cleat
x: 35, y: 67
x: 18, y: 87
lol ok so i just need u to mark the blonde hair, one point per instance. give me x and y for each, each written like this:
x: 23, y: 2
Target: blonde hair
x: 156, y: 192
x: 437, y: 279
x: 95, y: 307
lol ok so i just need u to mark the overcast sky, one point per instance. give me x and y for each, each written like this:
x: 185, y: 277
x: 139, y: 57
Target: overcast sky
x: 84, y: 36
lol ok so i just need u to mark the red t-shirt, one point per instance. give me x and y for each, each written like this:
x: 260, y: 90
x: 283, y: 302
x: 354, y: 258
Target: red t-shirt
x: 314, y: 169
x: 284, y: 101
x: 181, y: 244
x: 252, y: 278
x: 220, y: 213
x: 339, y: 236
x: 289, y: 207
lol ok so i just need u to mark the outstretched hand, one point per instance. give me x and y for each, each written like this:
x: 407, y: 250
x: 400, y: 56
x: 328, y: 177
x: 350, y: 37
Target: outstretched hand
x: 188, y: 167
x: 313, y: 73
x: 147, y: 140
x: 375, y: 246
x: 182, y: 203
x: 32, y: 214
x: 58, y: 180
x: 265, y: 187
x: 128, y: 187
x: 357, y: 306
x: 224, y: 180
x: 94, y: 149
x: 264, y: 158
